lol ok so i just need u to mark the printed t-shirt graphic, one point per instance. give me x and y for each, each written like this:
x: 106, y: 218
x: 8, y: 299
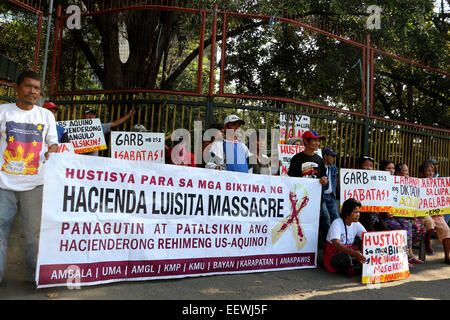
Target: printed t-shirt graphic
x: 310, y: 170
x: 24, y: 145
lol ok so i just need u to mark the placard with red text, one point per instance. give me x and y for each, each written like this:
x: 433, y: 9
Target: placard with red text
x: 146, y: 146
x: 86, y: 135
x: 386, y: 256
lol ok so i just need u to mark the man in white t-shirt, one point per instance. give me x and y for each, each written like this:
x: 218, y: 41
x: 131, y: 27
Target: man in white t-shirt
x: 25, y: 131
x: 340, y: 253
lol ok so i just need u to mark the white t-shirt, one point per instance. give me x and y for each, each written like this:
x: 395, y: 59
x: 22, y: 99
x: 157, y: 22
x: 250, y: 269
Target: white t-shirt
x: 337, y: 231
x: 23, y: 139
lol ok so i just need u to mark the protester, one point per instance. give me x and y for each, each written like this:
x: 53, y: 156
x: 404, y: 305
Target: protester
x: 387, y: 165
x: 91, y: 113
x: 329, y: 210
x: 63, y: 137
x: 435, y: 166
x: 295, y: 141
x: 213, y: 133
x: 307, y: 163
x: 229, y: 154
x: 341, y: 254
x: 414, y: 228
x: 139, y: 128
x: 372, y: 221
x: 402, y: 170
x: 25, y: 128
x: 426, y: 170
x: 179, y: 154
x: 259, y: 163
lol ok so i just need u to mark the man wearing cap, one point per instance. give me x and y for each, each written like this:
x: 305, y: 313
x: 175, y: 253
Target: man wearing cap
x: 63, y: 137
x: 329, y: 210
x: 307, y: 163
x: 90, y: 113
x: 229, y: 154
x: 25, y: 128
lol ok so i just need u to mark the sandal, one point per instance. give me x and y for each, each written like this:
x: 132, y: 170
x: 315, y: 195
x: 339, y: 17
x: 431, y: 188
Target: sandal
x: 415, y: 260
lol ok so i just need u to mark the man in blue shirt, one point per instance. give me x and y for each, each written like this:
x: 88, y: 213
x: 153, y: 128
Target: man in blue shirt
x: 329, y: 210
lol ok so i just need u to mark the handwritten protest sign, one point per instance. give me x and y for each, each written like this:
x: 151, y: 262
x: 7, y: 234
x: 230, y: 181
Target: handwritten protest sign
x: 434, y: 196
x: 370, y: 187
x: 146, y: 146
x: 292, y: 126
x: 405, y: 196
x: 86, y: 135
x: 401, y: 196
x: 114, y: 220
x: 386, y: 256
x: 285, y: 153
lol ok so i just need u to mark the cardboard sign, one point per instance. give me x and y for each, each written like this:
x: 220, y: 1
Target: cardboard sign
x: 114, y: 220
x: 146, y: 146
x: 386, y: 254
x: 293, y: 126
x: 285, y: 154
x: 86, y: 135
x: 372, y: 188
x: 379, y: 191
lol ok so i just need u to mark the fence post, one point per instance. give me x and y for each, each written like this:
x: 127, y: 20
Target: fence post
x: 369, y: 62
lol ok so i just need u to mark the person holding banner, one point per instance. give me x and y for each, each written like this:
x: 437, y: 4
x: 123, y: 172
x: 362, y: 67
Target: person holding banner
x: 259, y: 163
x: 372, y: 221
x: 413, y: 227
x: 442, y: 229
x: 341, y: 255
x: 25, y: 128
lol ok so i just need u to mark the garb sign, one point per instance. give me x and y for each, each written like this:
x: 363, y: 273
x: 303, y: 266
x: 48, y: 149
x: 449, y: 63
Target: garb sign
x: 370, y: 187
x: 114, y: 220
x: 379, y: 191
x: 146, y: 146
x: 86, y: 135
x: 386, y: 256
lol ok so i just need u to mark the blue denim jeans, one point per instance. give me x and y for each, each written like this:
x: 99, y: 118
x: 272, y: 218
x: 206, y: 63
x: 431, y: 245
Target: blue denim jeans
x: 328, y: 213
x: 29, y: 204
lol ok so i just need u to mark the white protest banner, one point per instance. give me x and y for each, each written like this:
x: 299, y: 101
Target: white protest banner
x: 285, y: 154
x: 116, y: 220
x: 386, y: 256
x: 86, y: 135
x: 292, y: 126
x: 371, y: 187
x: 148, y: 146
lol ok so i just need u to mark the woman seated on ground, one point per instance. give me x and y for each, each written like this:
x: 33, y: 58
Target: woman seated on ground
x: 414, y: 228
x: 341, y: 255
x: 442, y: 229
x: 372, y: 221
